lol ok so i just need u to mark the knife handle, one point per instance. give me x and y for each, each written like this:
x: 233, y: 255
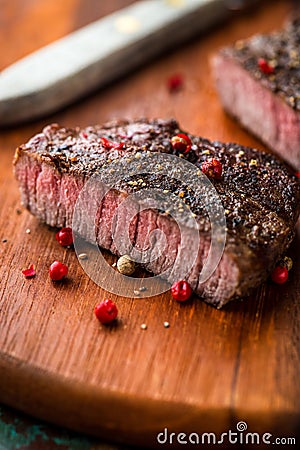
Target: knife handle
x: 71, y: 67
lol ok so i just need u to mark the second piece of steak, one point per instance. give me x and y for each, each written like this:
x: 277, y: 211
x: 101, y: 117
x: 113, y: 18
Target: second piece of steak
x: 259, y: 194
x: 258, y: 80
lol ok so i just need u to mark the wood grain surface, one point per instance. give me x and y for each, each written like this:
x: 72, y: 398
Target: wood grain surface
x: 209, y: 369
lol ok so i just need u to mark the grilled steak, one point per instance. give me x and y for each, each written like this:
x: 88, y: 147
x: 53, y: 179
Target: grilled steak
x: 260, y: 196
x: 259, y: 83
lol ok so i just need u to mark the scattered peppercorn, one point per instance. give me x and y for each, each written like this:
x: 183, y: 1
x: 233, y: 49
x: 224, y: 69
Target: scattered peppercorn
x: 106, y: 143
x: 253, y: 162
x: 265, y: 67
x: 181, y: 291
x: 29, y: 273
x: 212, y: 168
x: 106, y: 311
x: 83, y: 256
x: 280, y: 275
x: 286, y: 262
x: 125, y: 265
x: 175, y: 83
x: 58, y: 271
x: 119, y: 146
x: 109, y: 144
x: 181, y: 143
x: 65, y: 237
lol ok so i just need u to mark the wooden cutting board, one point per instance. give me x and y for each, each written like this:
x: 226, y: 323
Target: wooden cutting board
x: 210, y: 369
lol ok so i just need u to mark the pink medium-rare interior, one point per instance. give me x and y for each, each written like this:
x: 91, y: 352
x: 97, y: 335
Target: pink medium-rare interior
x: 52, y: 196
x: 260, y: 110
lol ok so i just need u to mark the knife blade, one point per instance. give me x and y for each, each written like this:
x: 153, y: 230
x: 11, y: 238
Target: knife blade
x: 75, y: 65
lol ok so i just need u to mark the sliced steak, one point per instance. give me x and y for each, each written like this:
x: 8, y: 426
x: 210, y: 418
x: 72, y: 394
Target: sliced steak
x: 259, y: 84
x: 260, y: 196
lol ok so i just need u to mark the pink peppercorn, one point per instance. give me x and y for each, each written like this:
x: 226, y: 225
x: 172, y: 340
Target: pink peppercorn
x: 181, y: 291
x: 58, y: 271
x: 65, y: 237
x: 106, y: 311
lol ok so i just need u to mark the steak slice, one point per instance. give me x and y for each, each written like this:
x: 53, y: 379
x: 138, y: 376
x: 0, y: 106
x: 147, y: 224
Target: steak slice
x: 258, y: 81
x: 259, y: 194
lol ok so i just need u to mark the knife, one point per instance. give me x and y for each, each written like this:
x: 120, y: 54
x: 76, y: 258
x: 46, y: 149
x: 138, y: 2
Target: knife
x: 91, y: 57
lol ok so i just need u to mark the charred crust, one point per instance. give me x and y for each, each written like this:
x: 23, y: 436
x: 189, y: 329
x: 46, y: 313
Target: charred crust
x: 259, y: 193
x: 281, y: 51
